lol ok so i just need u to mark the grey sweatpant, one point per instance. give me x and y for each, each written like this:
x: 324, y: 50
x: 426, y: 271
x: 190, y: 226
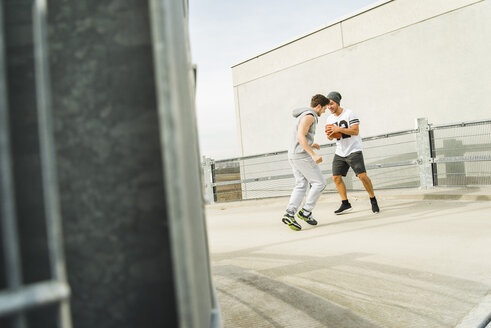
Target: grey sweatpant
x: 305, y: 171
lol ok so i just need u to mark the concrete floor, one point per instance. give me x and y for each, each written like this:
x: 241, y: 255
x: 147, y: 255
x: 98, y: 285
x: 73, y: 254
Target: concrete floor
x: 423, y: 261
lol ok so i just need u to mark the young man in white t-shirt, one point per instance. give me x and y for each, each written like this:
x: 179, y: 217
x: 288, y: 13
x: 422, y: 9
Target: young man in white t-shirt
x: 348, y: 151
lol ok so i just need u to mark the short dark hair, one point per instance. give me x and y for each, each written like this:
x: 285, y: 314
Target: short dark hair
x: 319, y: 100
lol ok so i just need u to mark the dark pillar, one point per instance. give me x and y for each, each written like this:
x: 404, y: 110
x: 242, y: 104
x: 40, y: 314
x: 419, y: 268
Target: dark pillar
x: 109, y: 164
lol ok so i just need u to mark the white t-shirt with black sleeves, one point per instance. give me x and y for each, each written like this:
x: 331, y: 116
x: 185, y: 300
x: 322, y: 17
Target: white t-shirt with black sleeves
x: 347, y: 144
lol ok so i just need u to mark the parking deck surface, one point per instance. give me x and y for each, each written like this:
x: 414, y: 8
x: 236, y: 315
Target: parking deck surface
x: 423, y: 261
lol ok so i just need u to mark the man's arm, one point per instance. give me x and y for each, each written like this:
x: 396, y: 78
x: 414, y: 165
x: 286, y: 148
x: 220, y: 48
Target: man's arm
x: 303, y: 129
x: 353, y: 130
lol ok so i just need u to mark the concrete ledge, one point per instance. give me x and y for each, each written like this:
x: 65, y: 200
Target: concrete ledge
x: 438, y: 193
x: 478, y: 314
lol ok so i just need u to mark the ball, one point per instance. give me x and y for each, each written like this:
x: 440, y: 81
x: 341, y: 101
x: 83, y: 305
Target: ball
x: 337, y: 135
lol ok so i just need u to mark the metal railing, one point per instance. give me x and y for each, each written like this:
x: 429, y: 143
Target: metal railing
x: 18, y: 298
x: 430, y: 155
x: 461, y: 153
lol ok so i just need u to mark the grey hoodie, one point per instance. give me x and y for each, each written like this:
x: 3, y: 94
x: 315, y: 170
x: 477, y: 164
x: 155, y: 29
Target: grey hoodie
x: 295, y: 150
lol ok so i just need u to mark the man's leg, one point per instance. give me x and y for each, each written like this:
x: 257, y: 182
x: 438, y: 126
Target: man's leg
x: 317, y: 181
x: 340, y: 186
x: 339, y: 169
x: 345, y: 205
x: 299, y: 190
x: 312, y: 172
x: 296, y: 198
x: 357, y: 162
x: 367, y: 183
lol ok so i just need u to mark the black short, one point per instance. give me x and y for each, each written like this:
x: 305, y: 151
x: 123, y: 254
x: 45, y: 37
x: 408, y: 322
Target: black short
x: 341, y: 165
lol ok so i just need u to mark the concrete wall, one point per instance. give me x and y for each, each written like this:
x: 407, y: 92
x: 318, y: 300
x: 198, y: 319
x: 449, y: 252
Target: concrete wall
x: 397, y: 61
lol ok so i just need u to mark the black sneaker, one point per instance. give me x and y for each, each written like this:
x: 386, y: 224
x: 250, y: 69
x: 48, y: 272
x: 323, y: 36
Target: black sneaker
x: 345, y: 207
x: 289, y: 220
x: 375, y: 208
x: 307, y: 218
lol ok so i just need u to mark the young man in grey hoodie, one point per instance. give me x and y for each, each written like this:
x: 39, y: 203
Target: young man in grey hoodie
x: 304, y: 162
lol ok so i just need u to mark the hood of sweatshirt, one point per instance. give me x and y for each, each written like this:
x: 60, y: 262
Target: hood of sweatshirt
x: 299, y: 111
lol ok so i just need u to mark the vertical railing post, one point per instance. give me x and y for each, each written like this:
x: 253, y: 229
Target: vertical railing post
x: 213, y: 181
x: 180, y: 151
x: 8, y: 216
x: 434, y: 166
x: 208, y: 175
x: 424, y: 153
x: 243, y: 176
x: 48, y: 156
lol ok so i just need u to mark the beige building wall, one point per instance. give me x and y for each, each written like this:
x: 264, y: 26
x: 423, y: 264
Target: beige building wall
x: 392, y: 63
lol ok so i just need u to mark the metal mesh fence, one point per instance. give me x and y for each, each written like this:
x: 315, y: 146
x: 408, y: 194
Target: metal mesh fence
x: 460, y: 155
x: 390, y: 160
x: 19, y: 297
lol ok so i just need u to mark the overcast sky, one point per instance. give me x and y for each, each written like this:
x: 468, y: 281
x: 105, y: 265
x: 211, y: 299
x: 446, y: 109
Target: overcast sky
x: 226, y: 32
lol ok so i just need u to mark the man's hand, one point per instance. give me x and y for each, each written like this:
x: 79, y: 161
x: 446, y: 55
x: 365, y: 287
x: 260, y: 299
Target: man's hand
x: 353, y: 130
x: 328, y: 132
x: 330, y: 129
x: 317, y: 158
x: 316, y: 146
